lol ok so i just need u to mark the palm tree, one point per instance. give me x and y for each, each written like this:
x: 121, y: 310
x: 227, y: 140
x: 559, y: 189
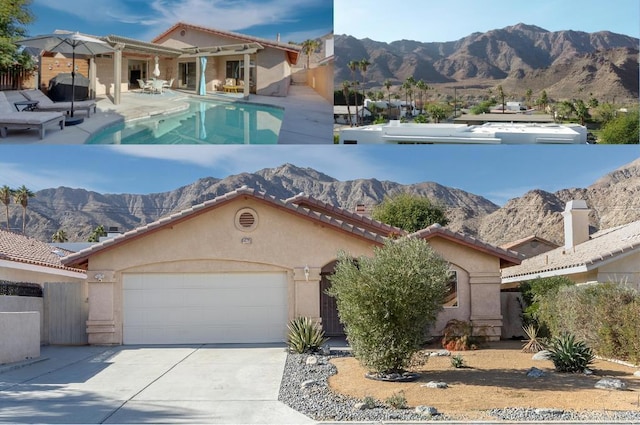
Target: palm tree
x: 353, y: 65
x: 345, y: 90
x: 59, y: 236
x: 6, y: 193
x: 308, y: 47
x: 21, y: 196
x: 387, y: 85
x: 582, y: 111
x: 422, y: 87
x: 501, y: 95
x: 97, y: 232
x: 527, y: 96
x: 363, y: 64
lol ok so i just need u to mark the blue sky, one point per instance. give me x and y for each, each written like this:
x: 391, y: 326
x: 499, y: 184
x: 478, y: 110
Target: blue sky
x: 294, y: 20
x: 437, y: 20
x: 498, y: 173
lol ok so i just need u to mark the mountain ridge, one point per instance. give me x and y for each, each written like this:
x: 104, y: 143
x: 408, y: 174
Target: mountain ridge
x: 614, y: 199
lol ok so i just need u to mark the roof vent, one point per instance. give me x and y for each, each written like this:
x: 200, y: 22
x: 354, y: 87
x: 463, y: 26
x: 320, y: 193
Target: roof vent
x: 246, y: 220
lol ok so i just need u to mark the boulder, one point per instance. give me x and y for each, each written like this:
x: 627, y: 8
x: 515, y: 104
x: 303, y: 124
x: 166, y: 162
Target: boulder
x: 434, y: 384
x: 440, y: 353
x: 637, y: 373
x: 311, y: 360
x: 426, y: 410
x: 611, y: 384
x: 534, y: 372
x: 541, y: 355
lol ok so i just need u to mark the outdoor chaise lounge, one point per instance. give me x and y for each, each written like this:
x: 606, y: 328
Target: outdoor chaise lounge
x: 46, y: 104
x: 10, y: 118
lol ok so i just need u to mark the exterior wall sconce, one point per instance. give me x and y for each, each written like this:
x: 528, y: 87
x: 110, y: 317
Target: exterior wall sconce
x: 99, y: 277
x: 306, y: 273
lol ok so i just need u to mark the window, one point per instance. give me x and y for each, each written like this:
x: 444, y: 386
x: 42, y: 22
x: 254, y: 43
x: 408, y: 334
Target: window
x: 235, y: 69
x: 451, y: 299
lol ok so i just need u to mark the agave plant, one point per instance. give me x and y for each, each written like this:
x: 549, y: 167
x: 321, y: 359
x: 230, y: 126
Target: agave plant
x: 305, y: 335
x: 533, y: 344
x: 569, y: 355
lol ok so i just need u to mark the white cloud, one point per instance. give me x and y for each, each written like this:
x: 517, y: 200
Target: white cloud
x: 342, y: 164
x: 38, y: 178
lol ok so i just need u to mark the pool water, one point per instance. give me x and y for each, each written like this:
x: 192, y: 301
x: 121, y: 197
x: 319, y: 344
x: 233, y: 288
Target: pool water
x: 205, y: 122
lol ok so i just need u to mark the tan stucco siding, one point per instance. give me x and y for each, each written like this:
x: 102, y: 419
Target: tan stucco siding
x: 626, y: 271
x: 193, y: 37
x: 272, y: 73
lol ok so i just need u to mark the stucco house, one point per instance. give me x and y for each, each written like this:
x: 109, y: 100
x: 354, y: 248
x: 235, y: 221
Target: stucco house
x: 609, y: 255
x: 238, y: 267
x: 189, y: 56
x: 530, y: 246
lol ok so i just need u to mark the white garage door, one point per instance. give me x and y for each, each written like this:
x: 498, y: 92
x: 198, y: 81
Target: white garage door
x: 167, y: 308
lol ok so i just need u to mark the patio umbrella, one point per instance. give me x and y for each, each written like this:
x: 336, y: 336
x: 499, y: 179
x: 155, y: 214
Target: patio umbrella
x: 65, y: 43
x: 156, y: 70
x: 202, y: 89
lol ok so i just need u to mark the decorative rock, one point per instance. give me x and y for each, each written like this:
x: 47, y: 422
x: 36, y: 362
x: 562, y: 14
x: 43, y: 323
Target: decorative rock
x: 541, y: 355
x: 534, y: 372
x: 360, y: 406
x: 611, y: 384
x: 434, y: 384
x: 325, y: 350
x: 307, y: 384
x: 545, y: 411
x: 588, y: 372
x: 440, y: 353
x: 637, y: 373
x: 426, y: 410
x: 311, y: 360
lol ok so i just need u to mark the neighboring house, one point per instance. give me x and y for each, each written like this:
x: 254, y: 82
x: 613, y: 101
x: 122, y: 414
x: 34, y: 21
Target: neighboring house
x: 24, y: 259
x: 609, y: 255
x: 238, y: 267
x: 182, y: 53
x: 342, y: 114
x: 530, y: 246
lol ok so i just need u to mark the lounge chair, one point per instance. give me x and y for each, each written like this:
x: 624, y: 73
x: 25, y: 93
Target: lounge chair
x: 10, y: 118
x: 144, y: 87
x: 46, y: 104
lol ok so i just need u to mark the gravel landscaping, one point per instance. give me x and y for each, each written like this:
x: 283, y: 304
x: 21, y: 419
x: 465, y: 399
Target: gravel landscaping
x: 304, y: 387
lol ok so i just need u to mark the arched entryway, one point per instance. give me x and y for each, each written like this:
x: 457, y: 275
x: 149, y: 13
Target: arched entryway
x: 328, y: 309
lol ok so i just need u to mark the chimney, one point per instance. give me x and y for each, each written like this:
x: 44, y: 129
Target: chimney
x: 576, y: 223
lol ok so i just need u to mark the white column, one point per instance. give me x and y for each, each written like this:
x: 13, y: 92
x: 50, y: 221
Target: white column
x: 247, y: 74
x: 117, y: 73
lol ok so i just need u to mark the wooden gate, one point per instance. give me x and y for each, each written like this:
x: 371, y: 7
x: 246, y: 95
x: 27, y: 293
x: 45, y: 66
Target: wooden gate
x: 66, y: 312
x: 328, y: 309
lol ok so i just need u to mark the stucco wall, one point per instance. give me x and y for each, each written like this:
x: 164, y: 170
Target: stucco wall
x: 273, y: 73
x: 9, y: 303
x: 321, y: 80
x: 31, y: 274
x: 626, y: 271
x: 23, y: 332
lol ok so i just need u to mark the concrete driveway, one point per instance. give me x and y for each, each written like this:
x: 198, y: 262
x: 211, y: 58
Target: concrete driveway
x: 148, y: 384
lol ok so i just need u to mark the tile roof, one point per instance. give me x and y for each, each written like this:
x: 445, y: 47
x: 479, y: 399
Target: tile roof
x: 300, y: 205
x: 511, y: 245
x: 507, y: 257
x: 602, y: 247
x: 272, y: 43
x: 349, y: 216
x: 23, y: 249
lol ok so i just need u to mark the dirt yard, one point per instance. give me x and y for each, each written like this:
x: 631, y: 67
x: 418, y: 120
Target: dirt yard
x: 495, y: 378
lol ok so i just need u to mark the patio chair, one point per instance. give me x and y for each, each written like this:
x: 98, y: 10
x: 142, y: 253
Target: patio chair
x: 144, y: 87
x: 168, y: 84
x: 157, y: 86
x: 10, y: 118
x: 46, y: 104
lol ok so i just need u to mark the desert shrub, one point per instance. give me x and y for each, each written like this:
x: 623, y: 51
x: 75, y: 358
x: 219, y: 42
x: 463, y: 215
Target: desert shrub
x: 569, y: 355
x: 305, y: 335
x: 603, y: 315
x: 457, y: 335
x: 369, y: 402
x: 534, y: 343
x: 397, y: 400
x: 533, y: 291
x: 457, y: 362
x: 388, y: 301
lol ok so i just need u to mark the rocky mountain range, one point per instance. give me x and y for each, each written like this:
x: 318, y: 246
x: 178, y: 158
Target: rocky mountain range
x: 564, y: 63
x: 614, y: 199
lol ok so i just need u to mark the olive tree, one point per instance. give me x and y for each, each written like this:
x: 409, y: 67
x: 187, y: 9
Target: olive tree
x: 388, y: 301
x: 410, y: 212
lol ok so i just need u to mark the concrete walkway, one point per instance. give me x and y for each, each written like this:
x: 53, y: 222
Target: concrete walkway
x: 308, y: 117
x: 148, y: 384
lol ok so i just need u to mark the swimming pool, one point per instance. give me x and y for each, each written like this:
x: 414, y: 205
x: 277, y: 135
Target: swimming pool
x: 204, y: 122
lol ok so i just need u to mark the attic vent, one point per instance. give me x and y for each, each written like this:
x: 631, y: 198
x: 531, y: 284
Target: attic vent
x: 246, y: 220
x: 183, y: 33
